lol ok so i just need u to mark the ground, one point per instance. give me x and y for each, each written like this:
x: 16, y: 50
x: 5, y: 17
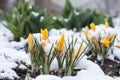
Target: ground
x: 15, y: 60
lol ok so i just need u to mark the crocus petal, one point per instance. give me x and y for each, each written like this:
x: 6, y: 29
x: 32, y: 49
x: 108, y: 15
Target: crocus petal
x: 106, y: 24
x: 30, y: 43
x: 106, y: 42
x: 86, y: 33
x: 96, y: 43
x: 92, y: 26
x: 60, y: 44
x: 44, y: 34
x: 118, y: 46
x: 43, y: 45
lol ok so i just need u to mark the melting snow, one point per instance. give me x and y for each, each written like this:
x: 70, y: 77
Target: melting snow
x: 12, y: 52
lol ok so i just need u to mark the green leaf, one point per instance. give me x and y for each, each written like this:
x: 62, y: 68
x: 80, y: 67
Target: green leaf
x: 68, y: 8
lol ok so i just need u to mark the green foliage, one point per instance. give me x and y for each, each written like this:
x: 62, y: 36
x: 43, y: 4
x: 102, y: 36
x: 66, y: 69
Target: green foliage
x: 49, y: 21
x: 110, y: 21
x: 80, y: 18
x: 89, y: 16
x: 18, y: 21
x: 24, y: 20
x: 73, y: 22
x: 67, y: 9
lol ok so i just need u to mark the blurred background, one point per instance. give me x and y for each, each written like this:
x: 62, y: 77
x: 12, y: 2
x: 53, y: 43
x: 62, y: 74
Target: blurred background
x: 109, y: 7
x: 22, y: 17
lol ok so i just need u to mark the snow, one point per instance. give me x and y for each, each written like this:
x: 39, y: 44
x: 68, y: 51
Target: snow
x: 54, y: 65
x: 89, y: 72
x: 91, y: 69
x: 35, y: 14
x: 117, y: 52
x: 47, y: 77
x: 41, y: 19
x: 6, y: 70
x: 5, y: 34
x: 8, y: 59
x: 22, y: 66
x: 12, y: 52
x: 117, y: 78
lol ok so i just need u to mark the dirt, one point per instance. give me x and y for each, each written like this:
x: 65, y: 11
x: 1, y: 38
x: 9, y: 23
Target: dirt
x: 22, y: 72
x: 111, y: 68
x: 63, y: 72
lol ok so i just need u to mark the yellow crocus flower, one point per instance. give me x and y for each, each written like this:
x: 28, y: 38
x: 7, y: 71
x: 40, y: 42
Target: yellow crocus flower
x: 60, y: 44
x: 43, y: 44
x: 106, y: 24
x: 96, y: 43
x: 106, y: 42
x: 44, y: 34
x: 107, y: 37
x: 86, y: 33
x: 31, y: 44
x: 93, y: 26
x: 118, y: 46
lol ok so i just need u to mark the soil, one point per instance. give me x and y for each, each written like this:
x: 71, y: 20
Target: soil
x: 63, y: 72
x: 23, y: 72
x: 111, y: 68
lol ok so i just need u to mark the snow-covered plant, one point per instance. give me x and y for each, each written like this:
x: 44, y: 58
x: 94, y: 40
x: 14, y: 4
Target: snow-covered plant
x: 40, y: 60
x: 100, y: 45
x: 64, y: 52
x: 68, y: 56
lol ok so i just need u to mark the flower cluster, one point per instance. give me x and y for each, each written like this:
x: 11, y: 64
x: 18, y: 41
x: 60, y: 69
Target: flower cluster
x: 102, y: 42
x: 63, y: 51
